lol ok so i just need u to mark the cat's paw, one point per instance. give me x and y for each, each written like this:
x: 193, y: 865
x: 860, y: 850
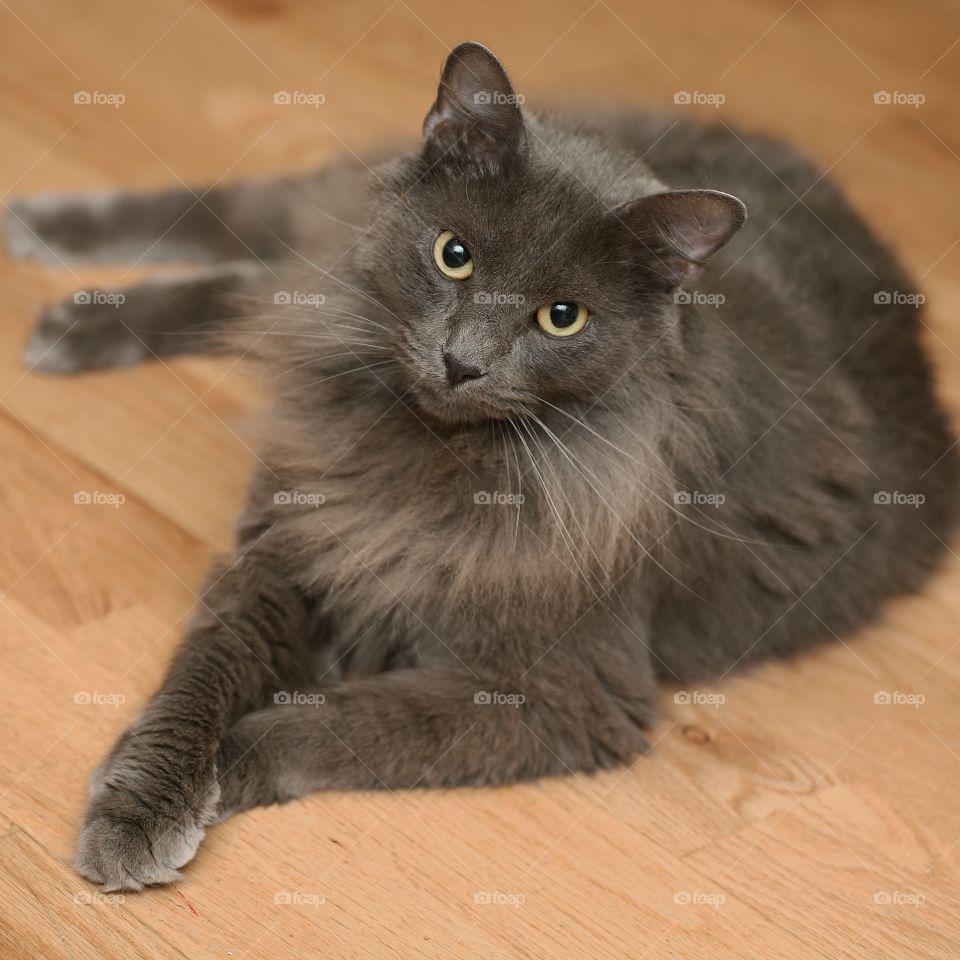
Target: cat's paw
x: 63, y: 228
x: 137, y: 831
x: 29, y: 228
x: 84, y: 332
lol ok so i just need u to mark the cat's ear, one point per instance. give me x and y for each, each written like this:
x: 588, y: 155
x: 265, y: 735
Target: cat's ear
x: 677, y: 232
x: 476, y: 115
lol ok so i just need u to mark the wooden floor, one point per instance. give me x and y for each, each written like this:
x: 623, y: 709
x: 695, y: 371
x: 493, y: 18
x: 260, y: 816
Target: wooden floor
x: 796, y: 818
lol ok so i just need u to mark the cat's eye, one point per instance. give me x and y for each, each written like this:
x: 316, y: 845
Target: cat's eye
x: 563, y: 318
x: 452, y: 256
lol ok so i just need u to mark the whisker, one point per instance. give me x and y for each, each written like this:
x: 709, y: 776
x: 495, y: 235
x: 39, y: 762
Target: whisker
x: 573, y: 513
x: 321, y: 309
x: 516, y: 532
x: 653, y: 493
x: 343, y: 283
x: 643, y: 547
x: 320, y: 358
x: 343, y: 373
x: 564, y: 532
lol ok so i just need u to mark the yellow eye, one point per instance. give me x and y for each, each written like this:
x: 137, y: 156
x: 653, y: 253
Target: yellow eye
x: 452, y: 256
x: 562, y: 319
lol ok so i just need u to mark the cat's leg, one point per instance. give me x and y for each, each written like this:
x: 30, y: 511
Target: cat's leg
x: 571, y: 707
x: 125, y: 226
x: 159, y: 317
x: 152, y: 796
x: 251, y: 220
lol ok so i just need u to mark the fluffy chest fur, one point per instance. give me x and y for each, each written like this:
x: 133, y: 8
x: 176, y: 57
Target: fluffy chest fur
x: 500, y: 524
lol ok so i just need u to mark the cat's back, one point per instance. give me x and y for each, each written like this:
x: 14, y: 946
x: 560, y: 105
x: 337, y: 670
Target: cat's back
x: 825, y: 327
x: 807, y: 227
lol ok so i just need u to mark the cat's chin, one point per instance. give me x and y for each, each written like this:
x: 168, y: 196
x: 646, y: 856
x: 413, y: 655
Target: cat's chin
x: 457, y: 411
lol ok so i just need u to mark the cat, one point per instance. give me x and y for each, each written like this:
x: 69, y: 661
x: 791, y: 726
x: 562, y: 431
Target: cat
x: 552, y: 420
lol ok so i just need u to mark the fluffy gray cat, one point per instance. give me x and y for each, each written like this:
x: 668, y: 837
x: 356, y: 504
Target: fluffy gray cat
x: 541, y: 435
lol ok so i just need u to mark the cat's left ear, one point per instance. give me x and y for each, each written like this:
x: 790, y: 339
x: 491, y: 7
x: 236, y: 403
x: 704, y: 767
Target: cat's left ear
x: 676, y: 233
x: 476, y: 115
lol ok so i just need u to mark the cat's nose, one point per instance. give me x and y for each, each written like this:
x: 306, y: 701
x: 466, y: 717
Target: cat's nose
x: 458, y: 371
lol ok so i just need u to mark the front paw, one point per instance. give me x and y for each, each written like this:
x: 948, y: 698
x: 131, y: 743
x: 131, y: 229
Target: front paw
x: 140, y: 828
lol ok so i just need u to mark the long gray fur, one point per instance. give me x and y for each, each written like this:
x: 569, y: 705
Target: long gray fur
x: 437, y: 585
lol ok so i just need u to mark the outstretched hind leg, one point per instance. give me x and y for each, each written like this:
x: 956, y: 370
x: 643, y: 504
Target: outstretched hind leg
x: 159, y: 317
x: 120, y: 226
x: 241, y: 221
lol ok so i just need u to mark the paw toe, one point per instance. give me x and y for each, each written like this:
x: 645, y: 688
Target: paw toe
x: 125, y: 856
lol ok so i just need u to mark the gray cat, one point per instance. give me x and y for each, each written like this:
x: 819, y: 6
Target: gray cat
x: 541, y: 435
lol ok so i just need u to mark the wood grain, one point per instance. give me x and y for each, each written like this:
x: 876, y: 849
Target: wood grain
x: 796, y: 818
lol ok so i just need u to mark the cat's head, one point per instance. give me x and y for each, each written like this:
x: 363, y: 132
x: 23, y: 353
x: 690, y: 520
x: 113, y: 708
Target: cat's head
x: 524, y: 264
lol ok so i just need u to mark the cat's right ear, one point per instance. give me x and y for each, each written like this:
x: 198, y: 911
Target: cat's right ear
x: 476, y: 116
